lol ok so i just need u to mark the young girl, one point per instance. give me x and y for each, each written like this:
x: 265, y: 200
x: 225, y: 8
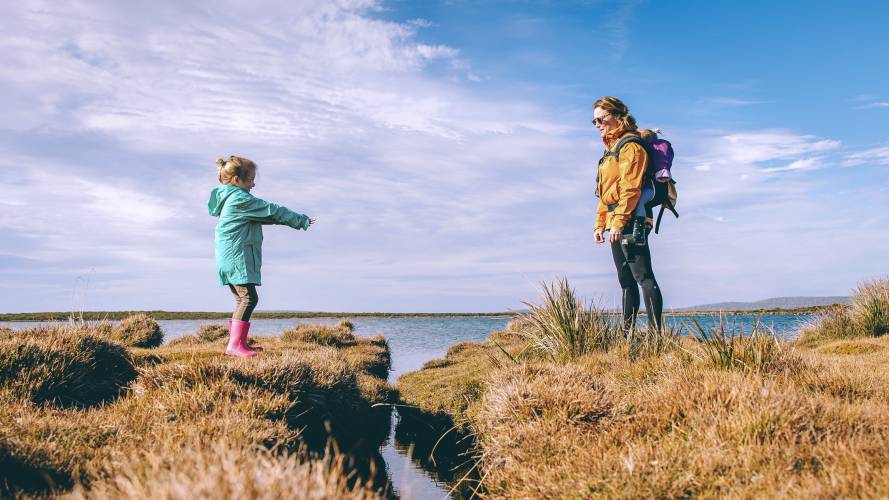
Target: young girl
x: 239, y: 241
x: 662, y: 153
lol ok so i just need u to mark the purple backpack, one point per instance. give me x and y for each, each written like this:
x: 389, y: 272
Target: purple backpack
x: 661, y: 159
x: 660, y: 162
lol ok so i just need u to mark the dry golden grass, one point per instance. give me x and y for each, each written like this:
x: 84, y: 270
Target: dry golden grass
x: 222, y: 470
x: 138, y: 330
x: 335, y: 335
x: 867, y: 316
x: 774, y: 421
x: 65, y: 365
x: 211, y: 332
x: 186, y: 398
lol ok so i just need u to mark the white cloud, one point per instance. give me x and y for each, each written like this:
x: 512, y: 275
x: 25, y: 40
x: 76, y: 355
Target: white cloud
x: 333, y: 104
x: 618, y: 27
x: 872, y: 156
x: 801, y: 164
x: 875, y: 105
x: 437, y: 51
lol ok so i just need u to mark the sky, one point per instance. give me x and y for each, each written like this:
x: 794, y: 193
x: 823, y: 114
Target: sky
x: 445, y: 148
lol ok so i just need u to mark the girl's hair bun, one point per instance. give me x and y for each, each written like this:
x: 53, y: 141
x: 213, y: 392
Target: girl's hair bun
x: 234, y: 167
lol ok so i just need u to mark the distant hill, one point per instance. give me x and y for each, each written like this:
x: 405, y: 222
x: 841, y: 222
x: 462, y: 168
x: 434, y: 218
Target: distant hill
x: 773, y: 303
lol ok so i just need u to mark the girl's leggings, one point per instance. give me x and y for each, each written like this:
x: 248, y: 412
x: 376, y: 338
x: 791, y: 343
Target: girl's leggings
x: 245, y: 301
x: 646, y: 196
x: 633, y: 265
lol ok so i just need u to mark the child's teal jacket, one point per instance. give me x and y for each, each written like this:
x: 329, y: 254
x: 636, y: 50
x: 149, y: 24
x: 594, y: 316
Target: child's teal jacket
x: 239, y: 232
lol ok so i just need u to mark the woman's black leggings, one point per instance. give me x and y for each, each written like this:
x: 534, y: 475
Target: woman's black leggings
x: 634, y: 270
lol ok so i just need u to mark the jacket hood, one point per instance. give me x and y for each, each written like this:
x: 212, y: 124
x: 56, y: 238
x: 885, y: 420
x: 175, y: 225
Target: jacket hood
x: 218, y: 197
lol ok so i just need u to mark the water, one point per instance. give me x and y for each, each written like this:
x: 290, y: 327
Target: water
x: 414, y: 341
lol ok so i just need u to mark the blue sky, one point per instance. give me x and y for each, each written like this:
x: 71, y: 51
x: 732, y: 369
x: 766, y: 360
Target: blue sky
x: 444, y: 147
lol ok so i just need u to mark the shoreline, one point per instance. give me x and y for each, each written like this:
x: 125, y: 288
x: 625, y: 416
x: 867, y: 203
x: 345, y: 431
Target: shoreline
x: 209, y: 315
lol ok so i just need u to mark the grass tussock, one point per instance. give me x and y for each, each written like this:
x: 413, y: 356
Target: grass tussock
x: 649, y: 341
x: 290, y: 399
x: 332, y: 335
x: 138, y: 330
x: 727, y: 347
x: 563, y: 327
x: 866, y: 316
x: 63, y: 366
x: 211, y: 332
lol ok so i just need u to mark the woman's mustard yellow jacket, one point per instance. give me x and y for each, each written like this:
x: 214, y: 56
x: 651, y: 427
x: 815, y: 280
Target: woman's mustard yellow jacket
x: 620, y: 182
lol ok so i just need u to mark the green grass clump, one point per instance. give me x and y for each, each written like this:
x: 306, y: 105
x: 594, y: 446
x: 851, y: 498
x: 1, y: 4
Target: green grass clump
x: 563, y: 327
x: 726, y: 347
x: 332, y: 335
x: 63, y: 366
x: 138, y: 330
x: 211, y: 332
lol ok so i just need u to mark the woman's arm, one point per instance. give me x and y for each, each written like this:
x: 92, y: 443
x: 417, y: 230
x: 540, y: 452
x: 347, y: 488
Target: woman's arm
x: 632, y: 163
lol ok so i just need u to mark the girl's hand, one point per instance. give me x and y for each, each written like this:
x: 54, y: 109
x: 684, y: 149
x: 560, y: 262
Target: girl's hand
x: 598, y: 237
x: 311, y: 221
x: 614, y: 235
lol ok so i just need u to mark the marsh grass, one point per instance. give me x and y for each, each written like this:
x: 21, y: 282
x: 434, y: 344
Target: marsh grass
x: 564, y: 327
x: 332, y: 335
x: 223, y: 470
x: 63, y: 366
x: 146, y: 434
x: 138, y: 330
x: 211, y: 332
x: 723, y: 413
x: 866, y: 316
x: 727, y: 347
x: 650, y: 341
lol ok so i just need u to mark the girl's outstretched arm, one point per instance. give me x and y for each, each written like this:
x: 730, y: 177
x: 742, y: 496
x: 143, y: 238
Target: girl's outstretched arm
x: 261, y: 211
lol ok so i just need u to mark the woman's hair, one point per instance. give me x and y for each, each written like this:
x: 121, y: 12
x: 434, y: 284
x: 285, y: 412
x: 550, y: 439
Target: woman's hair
x: 616, y: 107
x: 235, y: 166
x: 649, y: 134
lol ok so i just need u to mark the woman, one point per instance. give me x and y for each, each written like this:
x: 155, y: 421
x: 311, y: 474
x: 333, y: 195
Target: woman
x: 619, y: 186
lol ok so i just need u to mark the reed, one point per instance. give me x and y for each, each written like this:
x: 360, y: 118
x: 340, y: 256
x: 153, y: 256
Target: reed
x: 563, y: 327
x: 727, y: 347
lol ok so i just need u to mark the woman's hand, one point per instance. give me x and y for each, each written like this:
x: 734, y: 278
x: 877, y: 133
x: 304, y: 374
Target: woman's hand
x: 614, y: 235
x: 311, y: 221
x: 598, y: 235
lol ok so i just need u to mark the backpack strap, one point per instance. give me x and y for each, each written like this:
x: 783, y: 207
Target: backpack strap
x: 666, y: 205
x: 615, y: 152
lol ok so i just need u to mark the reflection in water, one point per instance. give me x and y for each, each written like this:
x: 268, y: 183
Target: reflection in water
x: 439, y: 449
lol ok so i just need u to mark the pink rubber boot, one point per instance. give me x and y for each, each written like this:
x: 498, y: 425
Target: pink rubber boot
x: 246, y: 344
x: 237, y: 339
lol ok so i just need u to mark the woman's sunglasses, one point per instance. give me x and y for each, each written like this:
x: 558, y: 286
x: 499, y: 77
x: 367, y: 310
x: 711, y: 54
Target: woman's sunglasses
x: 600, y: 120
